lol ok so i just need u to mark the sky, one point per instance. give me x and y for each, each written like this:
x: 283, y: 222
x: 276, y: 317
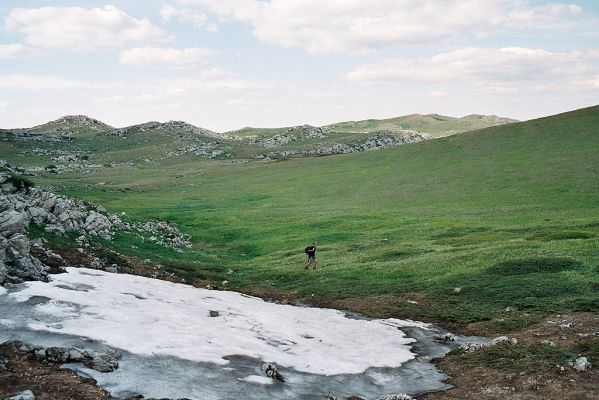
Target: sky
x: 227, y: 64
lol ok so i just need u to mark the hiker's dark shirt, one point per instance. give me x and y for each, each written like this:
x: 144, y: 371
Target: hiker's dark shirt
x: 311, y: 252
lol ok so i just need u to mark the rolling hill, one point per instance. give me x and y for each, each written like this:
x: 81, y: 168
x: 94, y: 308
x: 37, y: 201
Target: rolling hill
x: 507, y: 214
x: 433, y: 124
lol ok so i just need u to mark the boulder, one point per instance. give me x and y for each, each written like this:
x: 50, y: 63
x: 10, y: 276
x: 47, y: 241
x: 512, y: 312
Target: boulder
x: 11, y: 222
x: 19, y: 246
x: 271, y: 371
x: 582, y: 364
x: 101, y: 362
x: 62, y: 355
x: 447, y: 337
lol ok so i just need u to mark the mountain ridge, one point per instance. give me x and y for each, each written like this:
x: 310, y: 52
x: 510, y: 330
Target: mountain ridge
x: 82, y: 125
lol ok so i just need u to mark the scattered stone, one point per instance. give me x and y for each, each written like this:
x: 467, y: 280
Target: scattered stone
x: 402, y: 396
x: 509, y: 310
x: 271, y: 371
x: 354, y: 398
x: 101, y: 362
x: 225, y: 283
x: 26, y: 395
x: 548, y: 343
x: 582, y: 364
x: 457, y: 290
x: 470, y: 347
x: 61, y: 355
x: 447, y: 337
x: 214, y: 314
x: 566, y: 325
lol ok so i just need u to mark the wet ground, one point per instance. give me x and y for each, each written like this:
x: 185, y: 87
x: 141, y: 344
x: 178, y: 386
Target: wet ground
x: 160, y: 374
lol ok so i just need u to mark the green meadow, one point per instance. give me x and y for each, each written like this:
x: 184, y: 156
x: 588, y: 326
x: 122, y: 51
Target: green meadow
x: 456, y: 228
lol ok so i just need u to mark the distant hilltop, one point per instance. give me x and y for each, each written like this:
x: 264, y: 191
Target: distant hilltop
x: 433, y: 124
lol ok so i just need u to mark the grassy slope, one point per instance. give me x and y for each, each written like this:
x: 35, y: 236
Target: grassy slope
x: 434, y: 124
x: 508, y: 213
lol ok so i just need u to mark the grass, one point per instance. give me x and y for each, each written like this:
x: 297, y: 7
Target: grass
x: 509, y: 358
x: 508, y: 213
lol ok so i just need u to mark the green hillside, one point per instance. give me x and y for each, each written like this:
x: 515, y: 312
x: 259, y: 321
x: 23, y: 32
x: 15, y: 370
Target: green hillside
x: 508, y: 215
x: 434, y: 124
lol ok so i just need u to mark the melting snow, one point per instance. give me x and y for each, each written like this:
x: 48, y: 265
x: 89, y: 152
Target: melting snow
x: 262, y: 380
x: 148, y: 316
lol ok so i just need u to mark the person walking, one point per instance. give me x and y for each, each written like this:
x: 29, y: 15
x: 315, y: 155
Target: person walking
x: 311, y: 252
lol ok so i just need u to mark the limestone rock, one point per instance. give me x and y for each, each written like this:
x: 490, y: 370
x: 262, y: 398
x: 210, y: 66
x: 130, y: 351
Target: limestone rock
x: 11, y: 222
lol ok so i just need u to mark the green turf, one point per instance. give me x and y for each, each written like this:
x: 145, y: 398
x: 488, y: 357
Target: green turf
x: 509, y: 214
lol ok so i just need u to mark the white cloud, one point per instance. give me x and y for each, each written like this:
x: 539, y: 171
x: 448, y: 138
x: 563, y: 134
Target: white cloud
x: 3, y: 104
x: 41, y: 82
x: 214, y: 73
x: 17, y: 50
x: 497, y: 70
x: 241, y: 103
x: 165, y: 57
x: 80, y: 29
x: 199, y: 20
x: 357, y: 25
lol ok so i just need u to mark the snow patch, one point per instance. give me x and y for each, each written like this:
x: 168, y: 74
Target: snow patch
x: 261, y: 380
x: 148, y: 316
x: 3, y: 290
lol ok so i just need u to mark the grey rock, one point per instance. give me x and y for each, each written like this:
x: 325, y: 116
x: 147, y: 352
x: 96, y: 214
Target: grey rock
x: 64, y: 355
x: 270, y: 370
x: 26, y: 395
x: 11, y: 222
x: 448, y: 337
x: 214, y: 313
x: 393, y: 396
x: 102, y: 362
x: 18, y: 246
x: 499, y: 339
x: 582, y: 364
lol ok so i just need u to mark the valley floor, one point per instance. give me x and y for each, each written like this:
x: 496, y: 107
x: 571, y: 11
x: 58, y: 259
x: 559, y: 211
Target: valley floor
x: 523, y: 371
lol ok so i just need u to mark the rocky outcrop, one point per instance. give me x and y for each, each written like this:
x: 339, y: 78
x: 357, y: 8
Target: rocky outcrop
x: 379, y: 140
x: 295, y: 133
x: 102, y: 362
x: 20, y: 206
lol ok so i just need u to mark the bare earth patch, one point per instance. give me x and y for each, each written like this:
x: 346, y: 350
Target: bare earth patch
x: 578, y: 333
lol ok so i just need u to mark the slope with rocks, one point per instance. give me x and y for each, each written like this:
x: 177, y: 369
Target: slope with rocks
x: 434, y: 124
